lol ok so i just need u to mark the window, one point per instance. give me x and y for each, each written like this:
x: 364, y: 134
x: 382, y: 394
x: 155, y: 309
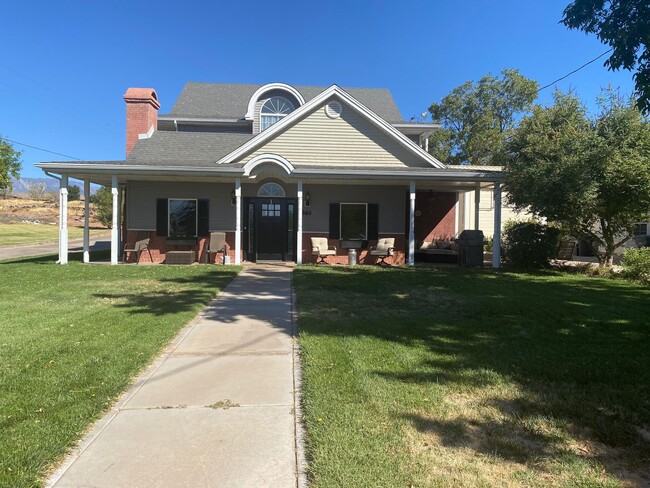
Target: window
x: 274, y: 110
x: 641, y: 229
x: 183, y: 218
x: 271, y: 210
x: 354, y: 221
x: 271, y: 190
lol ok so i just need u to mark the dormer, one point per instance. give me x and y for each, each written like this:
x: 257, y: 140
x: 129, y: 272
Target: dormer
x: 271, y: 103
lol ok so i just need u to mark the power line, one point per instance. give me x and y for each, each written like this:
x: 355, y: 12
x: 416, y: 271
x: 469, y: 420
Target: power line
x: 576, y: 70
x: 41, y: 149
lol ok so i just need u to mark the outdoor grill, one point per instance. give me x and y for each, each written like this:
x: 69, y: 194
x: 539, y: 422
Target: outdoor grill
x: 470, y: 248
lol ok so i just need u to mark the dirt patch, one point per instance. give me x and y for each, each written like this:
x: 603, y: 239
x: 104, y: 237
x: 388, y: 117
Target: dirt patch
x: 25, y: 210
x: 485, y: 439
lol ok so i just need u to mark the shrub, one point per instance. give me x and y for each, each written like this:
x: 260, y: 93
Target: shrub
x: 102, y: 202
x: 74, y: 193
x: 530, y: 244
x: 636, y: 264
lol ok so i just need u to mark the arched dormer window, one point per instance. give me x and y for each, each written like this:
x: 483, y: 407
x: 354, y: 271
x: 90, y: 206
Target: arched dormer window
x: 274, y: 110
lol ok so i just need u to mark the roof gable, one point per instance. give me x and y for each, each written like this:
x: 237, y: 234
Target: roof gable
x: 358, y: 137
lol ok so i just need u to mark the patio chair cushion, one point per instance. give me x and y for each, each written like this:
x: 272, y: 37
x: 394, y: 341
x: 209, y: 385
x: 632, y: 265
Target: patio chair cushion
x: 320, y: 247
x: 384, y: 247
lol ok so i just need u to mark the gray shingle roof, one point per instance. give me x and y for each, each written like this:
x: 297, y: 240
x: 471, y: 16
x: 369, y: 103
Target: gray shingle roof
x: 230, y: 101
x: 188, y: 148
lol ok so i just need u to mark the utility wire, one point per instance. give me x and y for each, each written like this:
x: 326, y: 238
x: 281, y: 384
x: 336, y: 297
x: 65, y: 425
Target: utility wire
x: 576, y: 70
x: 41, y: 149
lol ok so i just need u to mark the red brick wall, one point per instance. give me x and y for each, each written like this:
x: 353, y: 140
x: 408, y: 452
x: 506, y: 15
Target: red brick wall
x: 362, y: 255
x: 159, y: 247
x: 141, y: 113
x: 437, y: 217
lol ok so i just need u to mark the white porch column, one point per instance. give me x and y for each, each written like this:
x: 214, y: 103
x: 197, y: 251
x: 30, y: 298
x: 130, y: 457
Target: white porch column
x: 466, y: 210
x: 86, y: 221
x: 63, y: 220
x: 457, y: 215
x: 299, y: 230
x: 238, y: 221
x: 115, y: 231
x: 412, y: 223
x: 477, y: 205
x: 496, y: 247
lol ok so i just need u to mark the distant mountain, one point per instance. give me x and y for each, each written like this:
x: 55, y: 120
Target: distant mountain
x: 21, y: 185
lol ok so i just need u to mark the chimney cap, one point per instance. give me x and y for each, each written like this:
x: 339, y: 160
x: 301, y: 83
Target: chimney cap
x: 142, y: 95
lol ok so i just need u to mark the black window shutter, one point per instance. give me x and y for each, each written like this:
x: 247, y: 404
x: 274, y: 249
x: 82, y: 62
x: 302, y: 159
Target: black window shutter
x: 335, y: 221
x: 203, y: 217
x: 373, y: 221
x: 162, y: 222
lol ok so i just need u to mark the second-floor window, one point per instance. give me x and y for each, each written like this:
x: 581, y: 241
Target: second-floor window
x: 274, y: 110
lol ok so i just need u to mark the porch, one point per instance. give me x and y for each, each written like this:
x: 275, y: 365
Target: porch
x: 273, y: 216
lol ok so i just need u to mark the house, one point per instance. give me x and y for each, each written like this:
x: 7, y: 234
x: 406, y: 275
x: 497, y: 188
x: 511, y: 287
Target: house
x: 274, y: 165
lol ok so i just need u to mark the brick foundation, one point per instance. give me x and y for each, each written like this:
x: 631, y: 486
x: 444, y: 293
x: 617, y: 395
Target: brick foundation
x: 159, y: 247
x: 363, y: 256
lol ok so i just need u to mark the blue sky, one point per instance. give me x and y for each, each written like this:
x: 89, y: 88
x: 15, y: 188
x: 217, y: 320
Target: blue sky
x: 65, y: 65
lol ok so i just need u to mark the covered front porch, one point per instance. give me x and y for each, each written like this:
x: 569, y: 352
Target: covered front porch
x: 270, y: 211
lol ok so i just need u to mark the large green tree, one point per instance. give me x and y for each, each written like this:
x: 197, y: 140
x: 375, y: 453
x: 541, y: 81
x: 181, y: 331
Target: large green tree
x: 476, y: 118
x: 625, y: 26
x: 592, y: 175
x: 9, y: 165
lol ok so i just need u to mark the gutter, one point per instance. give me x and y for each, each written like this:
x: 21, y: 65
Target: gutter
x: 51, y: 175
x: 222, y: 170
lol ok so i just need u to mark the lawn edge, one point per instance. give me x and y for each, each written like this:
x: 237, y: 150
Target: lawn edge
x: 300, y: 433
x: 56, y: 471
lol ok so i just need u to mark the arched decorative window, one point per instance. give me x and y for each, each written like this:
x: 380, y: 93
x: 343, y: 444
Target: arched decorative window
x: 274, y: 110
x: 271, y: 190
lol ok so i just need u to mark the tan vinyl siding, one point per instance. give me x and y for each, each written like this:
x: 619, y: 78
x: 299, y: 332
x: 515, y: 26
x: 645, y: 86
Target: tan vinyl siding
x: 486, y: 212
x: 350, y: 140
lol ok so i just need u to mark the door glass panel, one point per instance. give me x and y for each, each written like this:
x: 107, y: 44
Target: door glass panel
x: 290, y: 228
x: 251, y: 227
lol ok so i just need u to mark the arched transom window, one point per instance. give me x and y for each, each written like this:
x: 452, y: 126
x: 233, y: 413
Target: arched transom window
x: 274, y: 110
x: 270, y: 190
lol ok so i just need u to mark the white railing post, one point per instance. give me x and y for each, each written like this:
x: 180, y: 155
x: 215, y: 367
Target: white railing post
x: 299, y: 230
x: 86, y: 258
x: 411, y: 261
x: 63, y: 220
x: 115, y: 224
x: 238, y: 221
x: 477, y: 205
x: 496, y: 246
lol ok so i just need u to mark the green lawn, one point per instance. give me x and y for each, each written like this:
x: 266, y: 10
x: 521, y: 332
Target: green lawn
x: 71, y: 339
x: 455, y: 377
x: 17, y: 234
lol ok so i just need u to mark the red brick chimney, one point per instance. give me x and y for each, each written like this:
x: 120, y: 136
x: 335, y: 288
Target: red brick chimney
x: 141, y: 114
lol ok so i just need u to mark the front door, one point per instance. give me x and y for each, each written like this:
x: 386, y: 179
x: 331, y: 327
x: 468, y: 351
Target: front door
x: 269, y: 232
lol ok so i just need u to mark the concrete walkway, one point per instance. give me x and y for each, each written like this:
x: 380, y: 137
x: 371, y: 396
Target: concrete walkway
x: 97, y: 243
x: 216, y: 409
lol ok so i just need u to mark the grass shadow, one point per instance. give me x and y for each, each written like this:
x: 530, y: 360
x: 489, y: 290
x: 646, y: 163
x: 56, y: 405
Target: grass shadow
x: 574, y: 348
